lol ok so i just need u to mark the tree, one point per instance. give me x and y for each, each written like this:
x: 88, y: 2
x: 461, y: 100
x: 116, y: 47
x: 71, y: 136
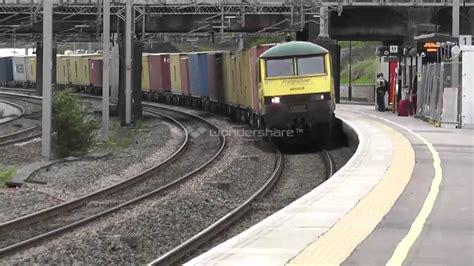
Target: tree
x: 74, y: 128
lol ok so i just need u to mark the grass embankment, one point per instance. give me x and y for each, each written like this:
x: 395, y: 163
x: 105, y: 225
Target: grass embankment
x: 363, y: 62
x: 362, y: 72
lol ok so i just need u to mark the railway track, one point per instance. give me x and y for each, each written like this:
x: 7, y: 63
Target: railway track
x: 27, y: 231
x: 13, y: 118
x: 205, y: 235
x: 175, y: 255
x: 19, y: 135
x: 17, y: 90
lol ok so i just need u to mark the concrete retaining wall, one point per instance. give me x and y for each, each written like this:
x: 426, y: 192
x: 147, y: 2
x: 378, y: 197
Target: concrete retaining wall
x: 360, y: 93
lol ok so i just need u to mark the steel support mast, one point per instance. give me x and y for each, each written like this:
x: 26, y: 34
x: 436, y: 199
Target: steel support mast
x: 455, y: 33
x: 106, y: 71
x: 47, y: 77
x: 128, y: 61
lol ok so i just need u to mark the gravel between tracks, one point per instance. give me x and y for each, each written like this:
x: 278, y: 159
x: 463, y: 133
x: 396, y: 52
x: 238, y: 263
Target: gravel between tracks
x: 69, y: 180
x: 302, y: 173
x: 160, y: 223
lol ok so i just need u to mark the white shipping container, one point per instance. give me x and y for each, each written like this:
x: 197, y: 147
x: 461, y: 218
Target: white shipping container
x: 19, y: 68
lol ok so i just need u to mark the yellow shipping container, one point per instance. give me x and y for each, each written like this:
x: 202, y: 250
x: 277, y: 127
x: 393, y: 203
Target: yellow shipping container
x: 175, y: 72
x: 145, y: 74
x: 31, y: 68
x: 62, y: 73
x: 228, y: 70
x: 74, y: 65
x: 79, y: 71
x: 245, y: 92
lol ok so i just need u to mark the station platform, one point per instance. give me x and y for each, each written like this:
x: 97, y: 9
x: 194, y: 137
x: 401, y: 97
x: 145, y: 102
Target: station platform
x: 404, y: 198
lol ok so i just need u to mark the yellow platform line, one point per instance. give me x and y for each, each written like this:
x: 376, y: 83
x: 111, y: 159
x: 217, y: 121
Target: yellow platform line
x: 338, y: 243
x: 403, y: 248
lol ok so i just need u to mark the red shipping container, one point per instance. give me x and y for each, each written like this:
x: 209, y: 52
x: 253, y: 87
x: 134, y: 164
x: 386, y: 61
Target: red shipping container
x: 184, y: 75
x: 255, y: 52
x: 212, y: 77
x: 159, y: 72
x: 96, y: 71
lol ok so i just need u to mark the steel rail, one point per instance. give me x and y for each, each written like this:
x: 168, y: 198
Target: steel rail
x: 17, y: 106
x: 12, y: 138
x: 205, y: 235
x: 328, y: 162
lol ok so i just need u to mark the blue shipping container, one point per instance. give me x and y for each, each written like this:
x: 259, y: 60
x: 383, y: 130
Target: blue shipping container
x: 6, y: 69
x: 198, y: 82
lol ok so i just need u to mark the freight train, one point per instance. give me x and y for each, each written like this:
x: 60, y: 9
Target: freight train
x: 287, y: 85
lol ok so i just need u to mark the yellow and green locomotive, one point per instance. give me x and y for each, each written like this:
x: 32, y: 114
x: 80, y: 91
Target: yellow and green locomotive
x: 296, y: 87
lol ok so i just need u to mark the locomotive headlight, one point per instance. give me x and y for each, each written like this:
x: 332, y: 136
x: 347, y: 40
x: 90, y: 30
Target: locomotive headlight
x: 276, y: 100
x: 322, y: 96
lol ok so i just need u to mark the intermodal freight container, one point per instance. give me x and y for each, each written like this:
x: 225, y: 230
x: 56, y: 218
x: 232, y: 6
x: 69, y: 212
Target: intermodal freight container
x: 245, y: 97
x: 31, y: 68
x: 212, y: 76
x: 19, y: 68
x: 62, y: 72
x: 255, y: 54
x: 228, y: 70
x: 6, y: 69
x: 96, y: 71
x: 184, y: 75
x: 175, y: 72
x: 159, y: 72
x: 145, y: 73
x: 198, y: 74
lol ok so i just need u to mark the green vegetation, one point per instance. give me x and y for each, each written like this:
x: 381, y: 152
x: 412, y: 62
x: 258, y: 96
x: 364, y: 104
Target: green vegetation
x: 120, y: 138
x: 363, y: 62
x: 6, y: 174
x: 73, y: 125
x: 362, y: 72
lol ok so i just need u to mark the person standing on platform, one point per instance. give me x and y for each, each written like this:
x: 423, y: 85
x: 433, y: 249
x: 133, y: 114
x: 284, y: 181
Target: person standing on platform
x: 382, y: 87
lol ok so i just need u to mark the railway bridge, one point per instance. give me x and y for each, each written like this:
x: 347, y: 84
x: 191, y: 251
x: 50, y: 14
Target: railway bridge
x: 394, y: 21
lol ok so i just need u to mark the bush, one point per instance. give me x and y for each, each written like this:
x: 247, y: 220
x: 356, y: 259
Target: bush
x: 74, y: 127
x: 6, y: 174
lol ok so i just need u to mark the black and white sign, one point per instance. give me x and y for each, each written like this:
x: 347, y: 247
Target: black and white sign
x: 465, y: 40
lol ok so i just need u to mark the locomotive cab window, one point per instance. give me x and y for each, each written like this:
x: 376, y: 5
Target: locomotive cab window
x: 313, y: 65
x: 280, y: 67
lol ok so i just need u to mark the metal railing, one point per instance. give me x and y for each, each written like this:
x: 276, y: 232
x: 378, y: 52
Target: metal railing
x: 439, y: 93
